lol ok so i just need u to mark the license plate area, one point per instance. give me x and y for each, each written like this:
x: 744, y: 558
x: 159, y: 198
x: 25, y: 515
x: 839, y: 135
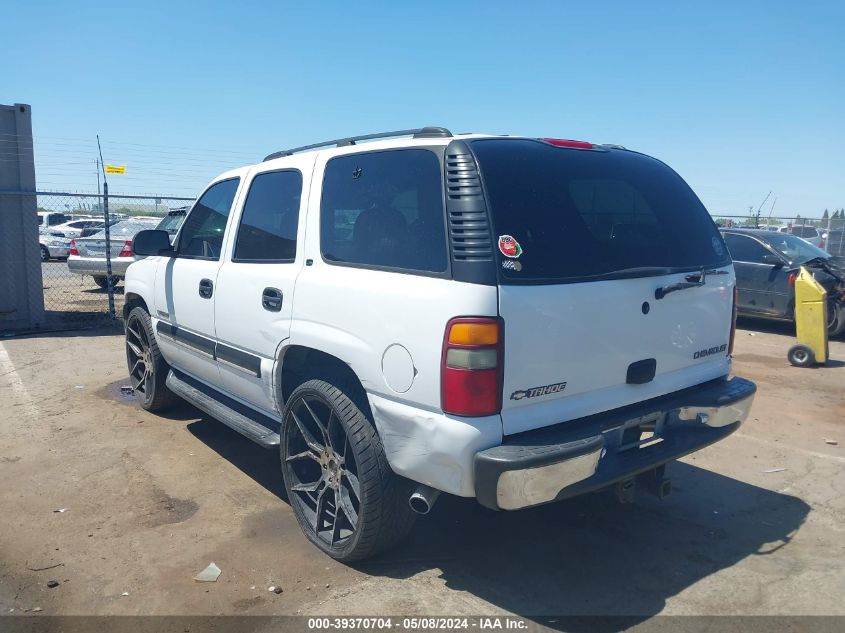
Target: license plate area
x: 636, y: 434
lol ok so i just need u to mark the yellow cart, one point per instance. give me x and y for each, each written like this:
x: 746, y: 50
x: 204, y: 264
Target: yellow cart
x: 810, y: 322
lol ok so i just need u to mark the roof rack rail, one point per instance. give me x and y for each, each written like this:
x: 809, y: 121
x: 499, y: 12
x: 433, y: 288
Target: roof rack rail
x: 423, y: 132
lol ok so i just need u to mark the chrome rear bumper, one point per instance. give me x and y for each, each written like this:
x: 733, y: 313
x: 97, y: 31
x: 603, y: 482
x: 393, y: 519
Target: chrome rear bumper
x: 579, y: 456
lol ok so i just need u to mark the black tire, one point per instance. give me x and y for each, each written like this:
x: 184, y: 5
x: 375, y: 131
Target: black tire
x: 102, y: 281
x: 801, y: 356
x: 835, y: 318
x: 147, y: 367
x: 331, y: 453
x: 45, y: 254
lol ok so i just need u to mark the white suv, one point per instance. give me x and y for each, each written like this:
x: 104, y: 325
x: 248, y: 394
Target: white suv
x: 517, y: 320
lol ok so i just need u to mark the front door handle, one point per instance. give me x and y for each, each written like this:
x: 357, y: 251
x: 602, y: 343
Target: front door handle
x: 271, y: 299
x: 206, y: 288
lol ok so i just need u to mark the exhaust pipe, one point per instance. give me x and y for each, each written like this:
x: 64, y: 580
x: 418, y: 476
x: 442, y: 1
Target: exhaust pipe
x: 423, y: 498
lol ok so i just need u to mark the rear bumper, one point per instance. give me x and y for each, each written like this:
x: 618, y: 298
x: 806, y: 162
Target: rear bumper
x: 97, y: 266
x: 583, y: 455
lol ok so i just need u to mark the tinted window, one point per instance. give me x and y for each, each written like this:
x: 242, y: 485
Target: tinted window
x: 745, y: 249
x: 202, y: 233
x: 271, y: 214
x: 384, y: 209
x: 577, y: 214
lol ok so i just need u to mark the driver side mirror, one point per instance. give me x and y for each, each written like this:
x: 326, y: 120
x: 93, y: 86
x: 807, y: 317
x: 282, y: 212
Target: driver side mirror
x: 151, y: 243
x: 772, y: 260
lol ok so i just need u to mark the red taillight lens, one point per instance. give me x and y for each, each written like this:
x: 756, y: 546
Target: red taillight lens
x: 471, y: 367
x: 73, y: 250
x: 733, y: 323
x: 563, y: 142
x: 127, y: 250
x: 792, y: 277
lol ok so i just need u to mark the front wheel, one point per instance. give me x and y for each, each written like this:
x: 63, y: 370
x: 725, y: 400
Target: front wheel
x: 147, y: 367
x: 347, y: 500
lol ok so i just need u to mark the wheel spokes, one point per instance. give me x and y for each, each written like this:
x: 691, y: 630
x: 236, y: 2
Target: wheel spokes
x: 307, y: 437
x: 303, y: 455
x: 135, y: 349
x: 320, y: 511
x: 309, y: 487
x: 345, y: 504
x: 354, y: 484
x: 317, y: 421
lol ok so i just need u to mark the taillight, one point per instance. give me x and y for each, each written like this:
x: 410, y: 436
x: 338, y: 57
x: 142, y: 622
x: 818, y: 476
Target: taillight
x: 73, y: 250
x: 127, y: 250
x: 733, y: 323
x: 564, y: 142
x: 791, y: 279
x: 471, y: 367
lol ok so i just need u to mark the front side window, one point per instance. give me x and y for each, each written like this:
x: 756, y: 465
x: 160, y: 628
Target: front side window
x: 202, y: 233
x: 745, y: 249
x: 384, y: 209
x: 269, y: 221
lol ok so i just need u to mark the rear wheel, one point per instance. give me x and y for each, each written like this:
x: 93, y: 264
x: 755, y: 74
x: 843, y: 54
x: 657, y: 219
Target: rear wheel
x: 835, y: 318
x: 147, y: 367
x: 801, y: 356
x: 101, y: 281
x: 45, y: 254
x: 347, y: 500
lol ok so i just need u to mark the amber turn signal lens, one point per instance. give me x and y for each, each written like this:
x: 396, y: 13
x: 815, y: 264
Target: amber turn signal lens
x: 474, y: 334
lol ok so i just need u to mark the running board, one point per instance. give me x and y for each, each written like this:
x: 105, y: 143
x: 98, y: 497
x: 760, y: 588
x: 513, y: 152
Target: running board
x: 233, y: 414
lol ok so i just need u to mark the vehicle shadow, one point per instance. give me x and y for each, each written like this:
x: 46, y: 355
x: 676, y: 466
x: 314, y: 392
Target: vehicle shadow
x: 768, y: 326
x: 587, y: 563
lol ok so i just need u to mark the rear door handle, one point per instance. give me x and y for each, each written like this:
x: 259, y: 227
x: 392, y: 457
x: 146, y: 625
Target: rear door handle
x: 271, y: 299
x: 206, y: 288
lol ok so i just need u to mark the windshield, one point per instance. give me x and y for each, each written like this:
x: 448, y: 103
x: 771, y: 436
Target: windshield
x: 569, y: 215
x: 794, y: 248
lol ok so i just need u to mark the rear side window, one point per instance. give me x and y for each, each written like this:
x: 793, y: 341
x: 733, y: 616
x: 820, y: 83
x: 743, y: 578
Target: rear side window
x: 202, y: 234
x: 573, y: 215
x: 384, y: 209
x: 267, y: 231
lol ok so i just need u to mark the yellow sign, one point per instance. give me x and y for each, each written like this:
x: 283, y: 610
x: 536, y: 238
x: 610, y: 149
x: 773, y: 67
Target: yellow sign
x: 115, y: 169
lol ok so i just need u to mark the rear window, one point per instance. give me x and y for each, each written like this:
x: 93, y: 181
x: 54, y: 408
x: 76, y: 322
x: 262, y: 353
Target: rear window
x: 568, y: 215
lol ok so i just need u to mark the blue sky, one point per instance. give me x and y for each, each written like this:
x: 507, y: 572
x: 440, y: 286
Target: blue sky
x: 740, y: 97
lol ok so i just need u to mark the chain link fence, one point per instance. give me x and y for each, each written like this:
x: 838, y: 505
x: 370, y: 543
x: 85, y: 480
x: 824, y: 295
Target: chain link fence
x: 826, y: 233
x: 72, y: 248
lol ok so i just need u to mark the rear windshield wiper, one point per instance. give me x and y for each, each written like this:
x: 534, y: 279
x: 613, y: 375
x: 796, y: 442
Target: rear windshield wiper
x: 692, y: 281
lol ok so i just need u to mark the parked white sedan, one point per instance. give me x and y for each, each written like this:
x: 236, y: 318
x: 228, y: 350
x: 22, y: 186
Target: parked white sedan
x: 53, y: 246
x: 88, y: 254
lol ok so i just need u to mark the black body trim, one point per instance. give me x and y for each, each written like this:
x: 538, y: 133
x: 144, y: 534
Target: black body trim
x: 468, y: 220
x: 194, y: 341
x: 250, y: 363
x: 243, y: 360
x: 566, y: 440
x: 641, y: 372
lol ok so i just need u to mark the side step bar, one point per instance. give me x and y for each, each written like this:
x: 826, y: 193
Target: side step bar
x: 250, y: 424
